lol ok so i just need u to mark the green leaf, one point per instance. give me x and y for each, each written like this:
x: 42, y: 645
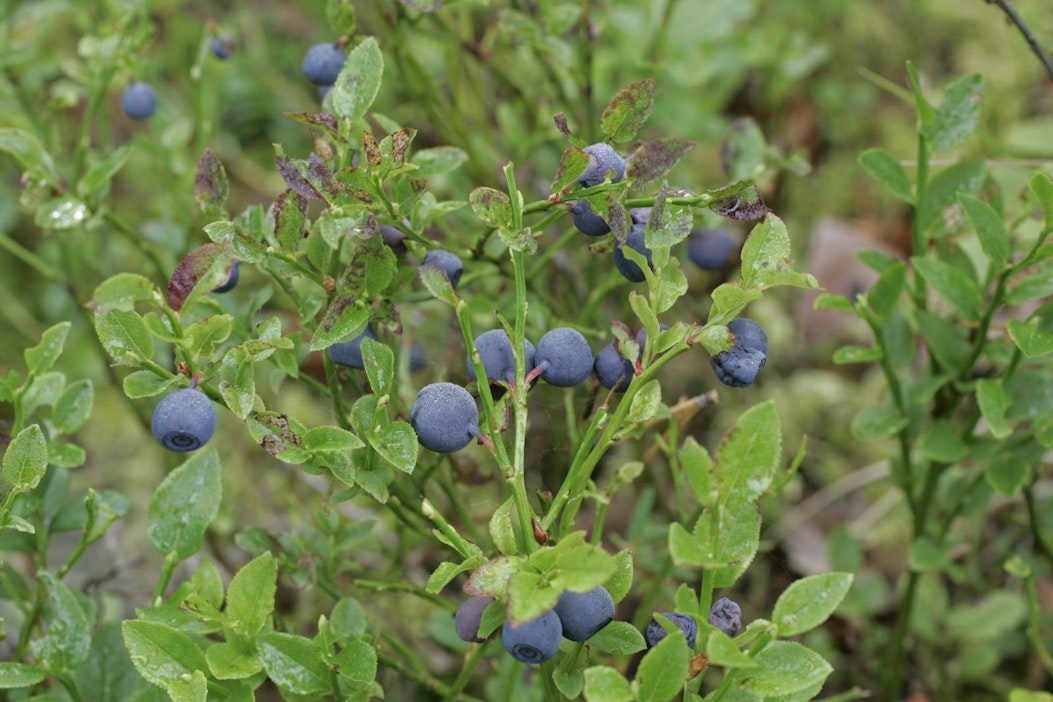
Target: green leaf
x: 603, y: 684
x: 729, y: 299
x: 883, y: 296
x: 65, y: 212
x: 926, y: 555
x: 237, y: 382
x: 29, y: 153
x: 621, y: 582
x: 100, y: 173
x: 686, y: 550
x: 250, y: 597
x: 359, y: 81
x: 628, y: 110
x: 767, y: 259
x: 959, y: 114
x: 68, y: 641
x: 994, y: 237
x: 530, y: 596
x: 343, y: 321
x: 329, y: 440
x: 25, y: 461
x: 568, y: 678
x: 357, y: 661
x: 438, y: 160
x: 572, y: 164
x: 697, y: 466
x: 888, y: 173
x: 492, y: 206
x: 348, y: 618
x: 954, y: 286
x: 108, y: 674
x: 943, y: 190
x: 227, y: 661
x: 877, y: 423
x: 73, y: 407
x: 856, y: 354
x: 1041, y: 187
x: 501, y: 527
x: 994, y: 402
x: 809, y: 602
x: 664, y: 669
x: 736, y: 541
x: 1030, y: 338
x: 946, y: 340
x: 162, y: 654
x: 491, y: 578
x: 42, y: 357
x: 147, y: 384
x: 582, y: 568
x: 743, y: 150
x: 992, y: 618
x: 646, y: 403
x: 341, y: 16
x: 1007, y: 475
x: 201, y: 338
x: 16, y: 675
x: 785, y: 667
x: 940, y: 442
x: 618, y: 638
x: 723, y: 652
x: 124, y: 336
x: 294, y: 663
x: 749, y: 453
x: 397, y: 444
x: 380, y: 366
x: 185, y: 503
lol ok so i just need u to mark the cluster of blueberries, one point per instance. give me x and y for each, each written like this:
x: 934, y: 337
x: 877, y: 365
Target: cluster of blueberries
x: 139, y: 99
x: 709, y: 249
x: 577, y: 616
x: 580, y: 616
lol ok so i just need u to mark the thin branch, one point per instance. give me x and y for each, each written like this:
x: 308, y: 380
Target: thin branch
x: 1032, y: 41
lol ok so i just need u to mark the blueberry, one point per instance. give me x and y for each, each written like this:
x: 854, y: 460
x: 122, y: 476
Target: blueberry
x: 738, y: 367
x: 535, y: 641
x: 587, y: 221
x: 418, y: 357
x: 447, y: 261
x: 563, y: 357
x: 232, y: 279
x: 684, y: 623
x: 139, y: 100
x: 710, y: 249
x: 613, y: 370
x: 468, y: 617
x: 640, y: 215
x: 349, y: 353
x: 445, y: 417
x: 641, y: 336
x: 223, y: 47
x: 635, y: 241
x: 322, y: 63
x: 726, y: 616
x: 583, y: 614
x: 602, y: 158
x: 394, y: 239
x: 495, y: 351
x: 184, y: 420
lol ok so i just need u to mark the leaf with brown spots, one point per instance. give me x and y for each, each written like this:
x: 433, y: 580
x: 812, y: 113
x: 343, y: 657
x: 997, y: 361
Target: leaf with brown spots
x: 492, y: 206
x: 294, y: 173
x: 290, y: 216
x: 740, y: 201
x: 652, y: 160
x: 371, y: 149
x: 323, y: 121
x: 400, y: 142
x: 628, y: 110
x: 203, y: 269
x: 572, y: 164
x: 211, y: 186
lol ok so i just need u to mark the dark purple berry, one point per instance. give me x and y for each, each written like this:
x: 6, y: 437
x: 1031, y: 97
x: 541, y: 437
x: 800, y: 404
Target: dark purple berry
x: 139, y: 100
x: 448, y: 262
x: 583, y: 614
x: 726, y: 615
x: 739, y: 366
x: 445, y: 417
x: 322, y: 63
x: 683, y: 622
x: 587, y: 221
x: 635, y: 241
x: 184, y: 420
x: 563, y: 357
x: 349, y: 353
x: 710, y: 249
x: 468, y: 617
x: 602, y: 159
x: 535, y: 641
x: 613, y: 370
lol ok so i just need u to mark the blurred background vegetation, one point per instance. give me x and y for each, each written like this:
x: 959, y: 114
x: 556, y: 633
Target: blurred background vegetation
x: 823, y: 80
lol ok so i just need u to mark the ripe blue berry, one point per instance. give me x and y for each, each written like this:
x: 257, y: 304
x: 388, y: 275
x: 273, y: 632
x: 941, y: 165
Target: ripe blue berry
x: 418, y: 357
x: 447, y: 261
x: 349, y: 353
x: 583, y: 614
x: 602, y: 158
x: 587, y: 221
x: 738, y: 366
x: 535, y: 641
x: 495, y: 351
x: 613, y: 370
x: 640, y: 215
x: 393, y: 238
x: 468, y: 617
x: 232, y: 279
x: 322, y: 63
x: 683, y: 622
x: 635, y: 241
x: 726, y: 615
x: 563, y: 357
x: 139, y: 100
x: 222, y: 47
x: 184, y: 420
x: 710, y: 249
x: 445, y: 417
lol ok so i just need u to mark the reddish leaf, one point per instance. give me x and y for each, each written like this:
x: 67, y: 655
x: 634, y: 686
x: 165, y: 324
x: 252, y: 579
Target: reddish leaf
x: 207, y: 263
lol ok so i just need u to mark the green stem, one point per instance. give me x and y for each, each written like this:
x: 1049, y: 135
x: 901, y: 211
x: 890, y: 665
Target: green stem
x: 167, y: 569
x: 471, y: 661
